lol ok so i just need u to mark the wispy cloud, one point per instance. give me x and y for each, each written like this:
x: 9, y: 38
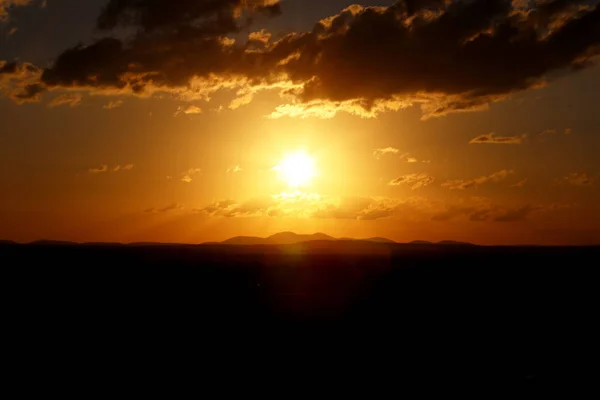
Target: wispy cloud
x: 412, y: 209
x: 72, y: 100
x: 105, y: 168
x: 379, y: 153
x: 5, y: 6
x: 12, y: 31
x: 188, y: 110
x: 461, y: 184
x: 416, y: 181
x: 568, y: 131
x: 234, y: 169
x: 127, y: 167
x: 549, y: 132
x: 490, y: 138
x: 113, y: 104
x: 189, y: 175
x: 520, y: 184
x: 169, y: 208
x: 102, y: 169
x: 579, y: 179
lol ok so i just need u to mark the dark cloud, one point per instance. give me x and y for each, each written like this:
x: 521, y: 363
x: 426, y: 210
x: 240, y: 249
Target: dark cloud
x: 447, y: 55
x: 461, y: 184
x: 209, y: 16
x: 21, y: 81
x: 491, y: 139
x: 6, y: 5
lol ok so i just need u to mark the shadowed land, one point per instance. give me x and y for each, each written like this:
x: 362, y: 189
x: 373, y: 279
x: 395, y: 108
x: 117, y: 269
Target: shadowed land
x: 490, y: 315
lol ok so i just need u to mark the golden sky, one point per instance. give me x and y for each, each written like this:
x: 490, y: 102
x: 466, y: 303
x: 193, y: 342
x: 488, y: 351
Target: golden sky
x: 198, y: 121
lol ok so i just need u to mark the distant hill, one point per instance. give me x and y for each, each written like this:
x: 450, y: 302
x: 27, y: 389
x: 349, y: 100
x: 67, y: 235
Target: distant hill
x: 454, y: 243
x: 378, y: 240
x: 245, y: 241
x: 284, y: 238
x: 292, y: 238
x: 420, y: 242
x: 7, y: 242
x: 53, y: 243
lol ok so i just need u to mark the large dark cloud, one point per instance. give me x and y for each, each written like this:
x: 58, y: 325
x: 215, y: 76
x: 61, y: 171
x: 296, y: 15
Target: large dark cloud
x: 447, y: 55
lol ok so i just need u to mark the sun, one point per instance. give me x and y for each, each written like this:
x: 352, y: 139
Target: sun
x: 297, y: 169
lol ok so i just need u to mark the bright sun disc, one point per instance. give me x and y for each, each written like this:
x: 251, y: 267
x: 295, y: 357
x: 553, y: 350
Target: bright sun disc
x: 297, y: 169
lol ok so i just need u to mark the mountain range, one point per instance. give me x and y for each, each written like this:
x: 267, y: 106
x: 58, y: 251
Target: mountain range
x: 282, y: 238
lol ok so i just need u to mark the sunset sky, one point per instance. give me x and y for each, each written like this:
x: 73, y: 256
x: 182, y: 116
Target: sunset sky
x: 194, y: 121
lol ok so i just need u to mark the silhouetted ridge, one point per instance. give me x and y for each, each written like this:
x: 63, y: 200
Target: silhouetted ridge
x: 284, y: 238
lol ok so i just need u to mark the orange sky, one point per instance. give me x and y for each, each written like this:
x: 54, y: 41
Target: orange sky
x: 193, y: 161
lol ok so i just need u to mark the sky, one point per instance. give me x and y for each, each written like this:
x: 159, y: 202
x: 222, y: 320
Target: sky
x: 195, y: 121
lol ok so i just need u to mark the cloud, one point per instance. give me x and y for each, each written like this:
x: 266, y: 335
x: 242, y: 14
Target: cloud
x: 234, y: 169
x: 517, y: 214
x: 379, y: 153
x: 102, y: 169
x: 484, y: 210
x: 411, y: 160
x: 491, y: 139
x: 579, y: 179
x: 72, y: 100
x: 445, y: 56
x: 21, y: 82
x: 126, y: 167
x: 520, y: 184
x: 549, y: 132
x: 113, y: 104
x: 412, y: 209
x: 12, y: 31
x: 188, y: 110
x: 6, y: 5
x: 189, y: 175
x: 416, y: 181
x: 568, y: 131
x: 167, y: 209
x: 460, y: 184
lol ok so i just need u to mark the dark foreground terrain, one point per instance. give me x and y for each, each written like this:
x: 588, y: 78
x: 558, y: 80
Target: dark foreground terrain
x: 344, y: 314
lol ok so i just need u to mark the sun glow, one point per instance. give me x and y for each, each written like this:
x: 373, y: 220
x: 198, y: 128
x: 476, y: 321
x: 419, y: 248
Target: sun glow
x: 297, y: 169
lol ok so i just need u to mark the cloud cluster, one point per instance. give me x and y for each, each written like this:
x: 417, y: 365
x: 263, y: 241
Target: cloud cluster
x: 235, y: 169
x: 461, y: 184
x: 164, y: 210
x: 113, y: 104
x: 481, y: 210
x: 579, y: 179
x: 416, y: 181
x: 379, y: 153
x: 190, y: 110
x: 189, y: 175
x: 446, y: 55
x: 104, y: 168
x: 5, y: 6
x: 490, y: 138
x: 413, y: 209
x: 72, y: 100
